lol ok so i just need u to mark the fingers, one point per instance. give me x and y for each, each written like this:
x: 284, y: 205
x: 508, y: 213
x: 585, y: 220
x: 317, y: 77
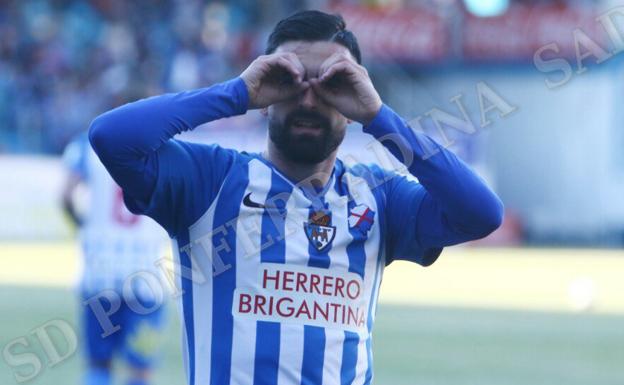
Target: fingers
x: 331, y: 60
x: 336, y: 58
x: 273, y: 78
x: 353, y: 73
x: 296, y: 63
x: 290, y: 62
x: 300, y: 87
x: 340, y: 67
x: 322, y: 91
x: 291, y: 68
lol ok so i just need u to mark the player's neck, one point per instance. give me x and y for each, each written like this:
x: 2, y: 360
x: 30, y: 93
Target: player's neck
x: 317, y: 174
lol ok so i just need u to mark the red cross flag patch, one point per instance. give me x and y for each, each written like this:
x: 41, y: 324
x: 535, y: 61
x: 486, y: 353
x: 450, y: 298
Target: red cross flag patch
x: 361, y: 217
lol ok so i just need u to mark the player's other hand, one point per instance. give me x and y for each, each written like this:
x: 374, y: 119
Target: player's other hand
x: 274, y: 78
x: 345, y: 84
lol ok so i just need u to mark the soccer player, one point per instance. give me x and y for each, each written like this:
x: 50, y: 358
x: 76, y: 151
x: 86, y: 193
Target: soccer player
x: 115, y: 244
x: 286, y: 248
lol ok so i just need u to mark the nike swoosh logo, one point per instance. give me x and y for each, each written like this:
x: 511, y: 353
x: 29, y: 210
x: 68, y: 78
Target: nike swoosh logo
x: 249, y: 203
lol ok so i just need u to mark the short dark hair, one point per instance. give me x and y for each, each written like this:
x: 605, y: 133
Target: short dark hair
x: 313, y: 25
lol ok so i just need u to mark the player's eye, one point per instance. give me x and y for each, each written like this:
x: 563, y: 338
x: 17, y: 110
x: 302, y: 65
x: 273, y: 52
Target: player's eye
x: 285, y: 78
x: 336, y: 81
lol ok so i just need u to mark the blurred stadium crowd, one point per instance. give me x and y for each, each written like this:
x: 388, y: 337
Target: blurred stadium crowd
x: 62, y: 62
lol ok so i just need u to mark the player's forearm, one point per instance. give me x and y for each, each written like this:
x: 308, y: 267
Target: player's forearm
x: 137, y: 129
x: 459, y: 206
x: 126, y: 138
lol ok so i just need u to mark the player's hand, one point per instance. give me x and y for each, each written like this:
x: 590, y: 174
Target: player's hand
x: 274, y: 78
x: 345, y: 84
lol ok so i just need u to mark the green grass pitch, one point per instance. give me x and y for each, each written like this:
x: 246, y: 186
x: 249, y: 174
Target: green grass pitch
x: 414, y: 345
x: 476, y: 317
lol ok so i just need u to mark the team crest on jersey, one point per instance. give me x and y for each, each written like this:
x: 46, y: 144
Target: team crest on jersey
x: 361, y: 217
x: 319, y: 230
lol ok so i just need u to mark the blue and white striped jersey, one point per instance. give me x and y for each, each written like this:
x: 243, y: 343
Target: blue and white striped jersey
x: 290, y: 295
x: 280, y: 281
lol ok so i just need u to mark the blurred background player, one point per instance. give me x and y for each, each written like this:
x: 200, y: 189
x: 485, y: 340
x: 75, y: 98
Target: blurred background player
x: 115, y: 244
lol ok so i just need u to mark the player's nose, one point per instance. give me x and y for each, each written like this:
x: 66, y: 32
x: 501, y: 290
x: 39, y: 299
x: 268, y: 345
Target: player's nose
x: 308, y: 99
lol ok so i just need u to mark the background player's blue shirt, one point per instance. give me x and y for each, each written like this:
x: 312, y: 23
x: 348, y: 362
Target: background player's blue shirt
x: 115, y: 244
x: 74, y: 156
x: 365, y: 218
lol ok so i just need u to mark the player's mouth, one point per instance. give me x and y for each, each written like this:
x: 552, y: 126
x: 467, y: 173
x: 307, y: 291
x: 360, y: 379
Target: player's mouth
x: 306, y: 125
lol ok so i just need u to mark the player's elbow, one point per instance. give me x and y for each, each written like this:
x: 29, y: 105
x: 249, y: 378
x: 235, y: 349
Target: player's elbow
x: 101, y: 135
x: 490, y: 217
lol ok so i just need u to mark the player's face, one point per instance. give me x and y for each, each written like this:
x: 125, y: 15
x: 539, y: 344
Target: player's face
x: 305, y: 129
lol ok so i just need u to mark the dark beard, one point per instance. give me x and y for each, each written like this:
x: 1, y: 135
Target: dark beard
x: 304, y: 148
